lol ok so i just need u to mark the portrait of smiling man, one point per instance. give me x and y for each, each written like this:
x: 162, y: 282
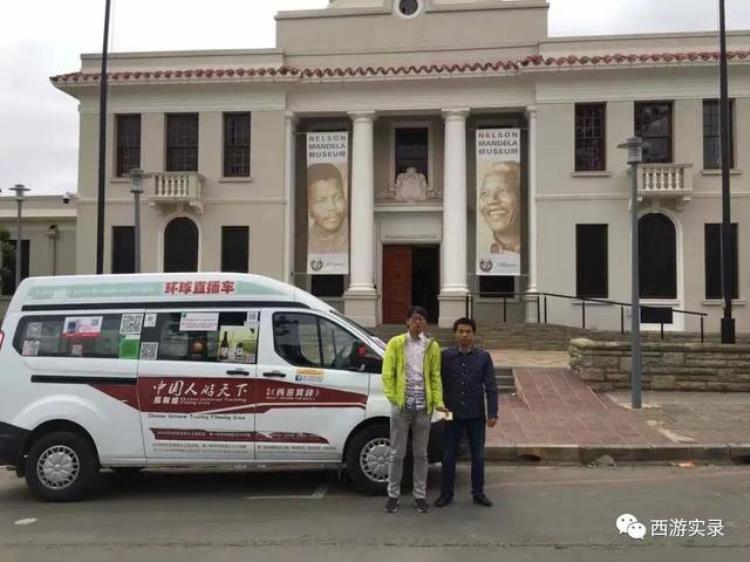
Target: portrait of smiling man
x: 327, y: 205
x: 499, y: 204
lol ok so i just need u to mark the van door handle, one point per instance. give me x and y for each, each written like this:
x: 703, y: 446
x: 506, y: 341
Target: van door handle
x: 275, y: 374
x: 238, y: 372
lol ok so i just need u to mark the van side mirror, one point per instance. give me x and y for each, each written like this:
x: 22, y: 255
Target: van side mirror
x: 362, y: 360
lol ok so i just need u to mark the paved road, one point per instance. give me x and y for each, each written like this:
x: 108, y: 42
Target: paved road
x: 541, y: 514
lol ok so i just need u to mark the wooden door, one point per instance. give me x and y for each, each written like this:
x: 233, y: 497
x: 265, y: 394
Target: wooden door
x: 396, y: 283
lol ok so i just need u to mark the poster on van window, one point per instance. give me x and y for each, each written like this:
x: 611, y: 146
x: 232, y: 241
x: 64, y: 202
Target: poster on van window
x: 82, y: 327
x: 498, y: 215
x: 253, y: 319
x: 237, y: 344
x: 199, y: 321
x: 31, y: 348
x: 328, y: 203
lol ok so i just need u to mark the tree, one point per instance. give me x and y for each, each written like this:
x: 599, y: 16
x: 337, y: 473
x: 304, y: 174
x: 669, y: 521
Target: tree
x: 7, y: 255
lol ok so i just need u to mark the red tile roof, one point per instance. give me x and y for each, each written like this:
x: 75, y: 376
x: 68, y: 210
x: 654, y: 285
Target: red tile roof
x: 285, y: 72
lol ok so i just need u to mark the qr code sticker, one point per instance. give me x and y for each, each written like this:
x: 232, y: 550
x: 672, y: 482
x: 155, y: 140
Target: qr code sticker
x: 131, y: 324
x: 149, y: 351
x: 34, y: 330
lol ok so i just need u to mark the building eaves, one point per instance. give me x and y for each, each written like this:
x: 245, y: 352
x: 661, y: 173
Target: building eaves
x: 624, y: 60
x: 287, y: 73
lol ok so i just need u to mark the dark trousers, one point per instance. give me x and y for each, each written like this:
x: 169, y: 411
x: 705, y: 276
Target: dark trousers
x: 474, y: 428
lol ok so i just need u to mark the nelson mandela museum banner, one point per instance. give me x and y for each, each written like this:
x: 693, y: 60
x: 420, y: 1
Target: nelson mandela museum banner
x: 498, y: 202
x: 327, y: 203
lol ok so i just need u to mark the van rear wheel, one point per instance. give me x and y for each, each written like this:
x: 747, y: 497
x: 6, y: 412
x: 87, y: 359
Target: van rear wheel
x: 62, y: 467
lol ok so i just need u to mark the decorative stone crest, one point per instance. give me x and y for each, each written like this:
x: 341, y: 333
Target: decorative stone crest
x: 411, y: 187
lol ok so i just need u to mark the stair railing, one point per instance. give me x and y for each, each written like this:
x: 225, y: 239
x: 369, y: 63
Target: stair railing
x: 541, y: 299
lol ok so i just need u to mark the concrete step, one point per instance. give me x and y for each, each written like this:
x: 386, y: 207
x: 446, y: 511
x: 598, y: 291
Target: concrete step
x: 506, y: 382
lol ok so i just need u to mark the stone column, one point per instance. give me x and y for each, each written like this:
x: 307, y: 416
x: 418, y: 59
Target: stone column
x: 531, y: 301
x: 455, y: 245
x: 361, y: 298
x: 290, y: 145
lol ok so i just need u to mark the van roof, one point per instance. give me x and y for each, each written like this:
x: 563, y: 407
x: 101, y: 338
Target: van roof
x: 158, y: 287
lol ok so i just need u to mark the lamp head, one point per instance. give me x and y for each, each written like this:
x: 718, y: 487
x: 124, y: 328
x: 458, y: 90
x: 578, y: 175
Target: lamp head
x: 634, y: 146
x: 19, y: 189
x: 137, y: 175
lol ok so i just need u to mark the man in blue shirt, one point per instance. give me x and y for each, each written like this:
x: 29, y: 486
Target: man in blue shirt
x: 468, y: 377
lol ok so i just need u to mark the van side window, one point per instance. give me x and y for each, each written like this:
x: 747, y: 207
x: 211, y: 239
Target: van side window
x: 202, y: 336
x: 305, y: 340
x: 92, y: 336
x: 296, y: 339
x: 338, y: 345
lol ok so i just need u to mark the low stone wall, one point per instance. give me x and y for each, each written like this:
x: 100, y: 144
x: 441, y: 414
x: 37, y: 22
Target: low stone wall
x: 605, y: 366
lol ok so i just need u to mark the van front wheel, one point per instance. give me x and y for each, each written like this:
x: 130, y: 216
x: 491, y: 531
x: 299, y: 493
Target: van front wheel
x: 367, y: 459
x: 61, y: 467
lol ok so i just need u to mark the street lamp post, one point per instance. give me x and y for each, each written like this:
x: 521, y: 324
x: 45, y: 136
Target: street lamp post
x: 137, y: 176
x: 727, y: 322
x: 53, y: 233
x: 634, y: 145
x: 101, y: 188
x: 20, y: 191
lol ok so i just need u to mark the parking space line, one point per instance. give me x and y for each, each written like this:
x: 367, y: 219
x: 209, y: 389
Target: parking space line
x: 318, y: 494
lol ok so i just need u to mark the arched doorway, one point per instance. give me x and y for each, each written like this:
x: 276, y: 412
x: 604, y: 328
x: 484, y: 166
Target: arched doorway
x: 657, y: 247
x: 181, y: 246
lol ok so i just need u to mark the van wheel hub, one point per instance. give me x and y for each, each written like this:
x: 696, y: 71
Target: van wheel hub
x: 373, y: 459
x: 58, y: 467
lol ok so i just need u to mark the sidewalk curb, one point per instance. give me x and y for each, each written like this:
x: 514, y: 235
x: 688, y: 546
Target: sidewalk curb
x: 586, y: 454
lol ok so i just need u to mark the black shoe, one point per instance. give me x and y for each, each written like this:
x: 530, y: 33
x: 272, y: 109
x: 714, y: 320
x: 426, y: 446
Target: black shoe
x: 483, y: 500
x: 391, y: 506
x: 442, y: 501
x: 421, y: 505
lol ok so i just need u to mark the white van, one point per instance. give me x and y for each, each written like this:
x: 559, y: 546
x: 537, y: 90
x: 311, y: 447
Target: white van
x: 132, y: 371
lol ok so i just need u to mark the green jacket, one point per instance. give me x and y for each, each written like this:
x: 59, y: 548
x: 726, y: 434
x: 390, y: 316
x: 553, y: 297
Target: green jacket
x: 394, y: 373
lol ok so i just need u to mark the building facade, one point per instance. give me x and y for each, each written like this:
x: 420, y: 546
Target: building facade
x: 49, y: 240
x: 412, y: 96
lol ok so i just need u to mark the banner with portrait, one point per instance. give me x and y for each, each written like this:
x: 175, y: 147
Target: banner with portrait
x: 498, y: 213
x: 328, y: 203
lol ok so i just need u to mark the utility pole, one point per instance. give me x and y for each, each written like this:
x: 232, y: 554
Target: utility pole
x: 727, y: 250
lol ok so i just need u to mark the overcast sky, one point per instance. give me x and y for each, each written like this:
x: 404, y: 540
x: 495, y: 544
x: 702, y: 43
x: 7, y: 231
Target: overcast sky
x: 41, y: 38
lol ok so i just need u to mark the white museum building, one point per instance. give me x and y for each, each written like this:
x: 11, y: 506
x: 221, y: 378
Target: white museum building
x: 447, y: 153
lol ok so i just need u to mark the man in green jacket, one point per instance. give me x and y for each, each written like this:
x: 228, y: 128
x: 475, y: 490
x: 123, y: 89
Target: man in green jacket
x: 412, y: 384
